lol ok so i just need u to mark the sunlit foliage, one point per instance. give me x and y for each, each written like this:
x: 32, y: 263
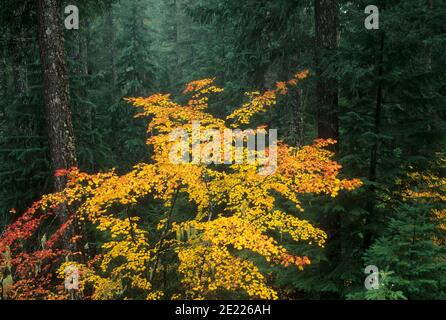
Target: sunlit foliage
x: 231, y: 230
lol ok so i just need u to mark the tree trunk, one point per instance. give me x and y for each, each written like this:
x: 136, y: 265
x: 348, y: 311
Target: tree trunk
x: 58, y: 116
x: 326, y: 20
x: 297, y: 125
x: 378, y: 111
x: 173, y: 37
x: 428, y: 50
x: 56, y: 90
x: 3, y: 81
x: 374, y: 152
x: 81, y: 49
x: 110, y: 35
x: 17, y: 45
x: 83, y: 41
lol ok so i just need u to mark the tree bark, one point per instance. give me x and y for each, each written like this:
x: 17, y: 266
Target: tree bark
x: 428, y: 50
x: 173, y: 37
x: 326, y: 25
x: 297, y: 125
x: 83, y: 41
x: 3, y: 81
x: 58, y: 117
x: 56, y: 89
x: 110, y: 35
x: 378, y: 111
x: 374, y: 152
x: 17, y: 45
x: 326, y: 20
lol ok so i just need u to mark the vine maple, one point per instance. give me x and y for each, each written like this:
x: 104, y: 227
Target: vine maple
x: 235, y: 218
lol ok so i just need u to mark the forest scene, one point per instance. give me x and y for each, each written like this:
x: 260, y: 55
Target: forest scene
x: 222, y: 150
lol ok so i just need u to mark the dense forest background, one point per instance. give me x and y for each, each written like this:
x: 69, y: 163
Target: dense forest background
x: 380, y: 93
